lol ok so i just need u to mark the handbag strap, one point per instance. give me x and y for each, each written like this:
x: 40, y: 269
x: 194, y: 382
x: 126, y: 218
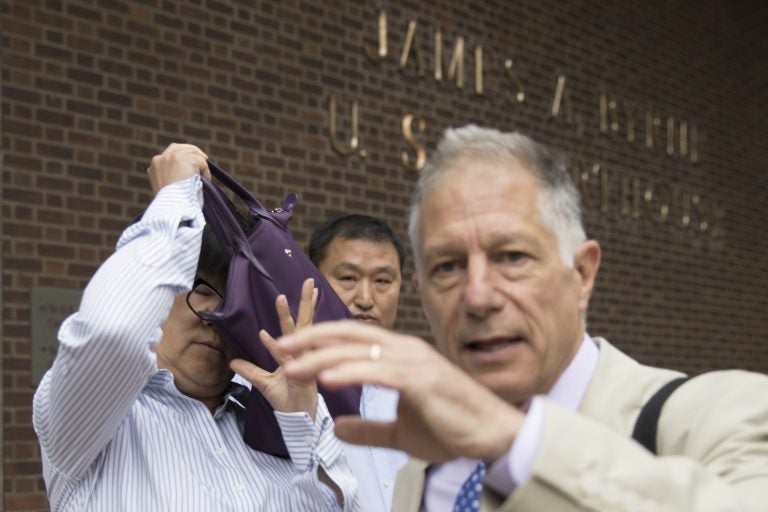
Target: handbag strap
x: 240, y: 191
x: 225, y: 227
x: 646, y: 426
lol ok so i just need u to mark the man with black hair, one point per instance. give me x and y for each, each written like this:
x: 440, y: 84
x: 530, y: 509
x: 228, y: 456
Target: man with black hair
x: 139, y: 411
x: 362, y: 258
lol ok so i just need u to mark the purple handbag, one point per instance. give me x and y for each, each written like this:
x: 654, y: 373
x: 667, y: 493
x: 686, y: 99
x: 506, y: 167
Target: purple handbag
x: 264, y: 264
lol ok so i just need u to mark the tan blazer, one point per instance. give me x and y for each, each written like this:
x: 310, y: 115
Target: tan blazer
x: 713, y: 437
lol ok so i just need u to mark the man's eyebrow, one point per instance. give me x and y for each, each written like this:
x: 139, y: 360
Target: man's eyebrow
x: 492, y: 241
x: 444, y: 249
x: 387, y: 269
x: 346, y: 265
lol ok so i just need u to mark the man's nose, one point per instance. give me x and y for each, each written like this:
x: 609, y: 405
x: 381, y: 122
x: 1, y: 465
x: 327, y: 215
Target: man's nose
x: 363, y: 295
x: 481, y: 294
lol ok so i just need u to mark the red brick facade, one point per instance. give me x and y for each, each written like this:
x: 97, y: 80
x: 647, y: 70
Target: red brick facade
x: 661, y: 106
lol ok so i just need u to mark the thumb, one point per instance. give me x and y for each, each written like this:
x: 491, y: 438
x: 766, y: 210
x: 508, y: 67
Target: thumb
x: 259, y: 377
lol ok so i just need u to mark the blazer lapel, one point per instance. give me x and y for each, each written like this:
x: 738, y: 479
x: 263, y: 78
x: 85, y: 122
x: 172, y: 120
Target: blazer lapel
x: 409, y: 486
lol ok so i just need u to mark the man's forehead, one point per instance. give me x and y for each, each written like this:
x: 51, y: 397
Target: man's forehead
x: 474, y: 162
x: 382, y: 246
x: 467, y: 175
x: 479, y: 183
x: 498, y: 210
x: 351, y: 251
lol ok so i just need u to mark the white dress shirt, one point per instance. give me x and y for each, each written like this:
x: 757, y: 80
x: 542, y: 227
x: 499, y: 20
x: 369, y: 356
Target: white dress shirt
x: 444, y: 480
x: 115, y: 432
x: 376, y: 468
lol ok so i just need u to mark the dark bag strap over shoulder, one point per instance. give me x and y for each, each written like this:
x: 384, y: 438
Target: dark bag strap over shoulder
x: 646, y: 426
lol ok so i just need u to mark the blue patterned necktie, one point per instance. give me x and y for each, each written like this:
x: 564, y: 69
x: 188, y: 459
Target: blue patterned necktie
x: 468, y: 499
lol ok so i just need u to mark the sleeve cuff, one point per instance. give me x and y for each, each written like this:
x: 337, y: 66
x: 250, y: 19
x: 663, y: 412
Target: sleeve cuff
x: 179, y: 202
x: 515, y: 467
x: 309, y: 443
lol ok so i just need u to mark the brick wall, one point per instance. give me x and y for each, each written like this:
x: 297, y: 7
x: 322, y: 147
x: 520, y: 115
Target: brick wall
x: 92, y: 89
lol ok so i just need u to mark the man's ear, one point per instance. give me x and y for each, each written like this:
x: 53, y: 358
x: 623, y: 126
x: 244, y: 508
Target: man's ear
x: 586, y: 262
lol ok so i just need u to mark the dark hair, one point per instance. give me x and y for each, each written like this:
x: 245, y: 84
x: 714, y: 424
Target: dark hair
x: 213, y: 262
x: 353, y: 227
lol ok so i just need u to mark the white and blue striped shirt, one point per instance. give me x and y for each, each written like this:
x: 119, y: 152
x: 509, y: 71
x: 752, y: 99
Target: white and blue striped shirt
x: 115, y: 432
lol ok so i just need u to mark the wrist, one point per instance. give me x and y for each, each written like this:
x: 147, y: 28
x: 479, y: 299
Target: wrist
x: 499, y: 440
x: 306, y: 401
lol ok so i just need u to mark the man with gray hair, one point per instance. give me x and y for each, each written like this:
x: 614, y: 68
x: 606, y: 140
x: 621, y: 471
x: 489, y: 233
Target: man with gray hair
x: 521, y: 409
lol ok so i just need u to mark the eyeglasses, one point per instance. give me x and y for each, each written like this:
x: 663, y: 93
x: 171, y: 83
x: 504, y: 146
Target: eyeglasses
x: 203, y: 298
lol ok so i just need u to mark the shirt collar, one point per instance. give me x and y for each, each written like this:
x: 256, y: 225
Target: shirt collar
x: 569, y: 389
x: 236, y: 394
x: 235, y: 397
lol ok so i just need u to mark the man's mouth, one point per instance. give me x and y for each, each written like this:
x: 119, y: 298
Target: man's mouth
x: 491, y: 344
x: 212, y: 346
x: 367, y: 318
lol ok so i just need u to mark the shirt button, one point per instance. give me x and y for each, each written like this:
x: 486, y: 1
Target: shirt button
x: 386, y: 485
x: 237, y: 487
x: 309, y: 439
x: 219, y: 451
